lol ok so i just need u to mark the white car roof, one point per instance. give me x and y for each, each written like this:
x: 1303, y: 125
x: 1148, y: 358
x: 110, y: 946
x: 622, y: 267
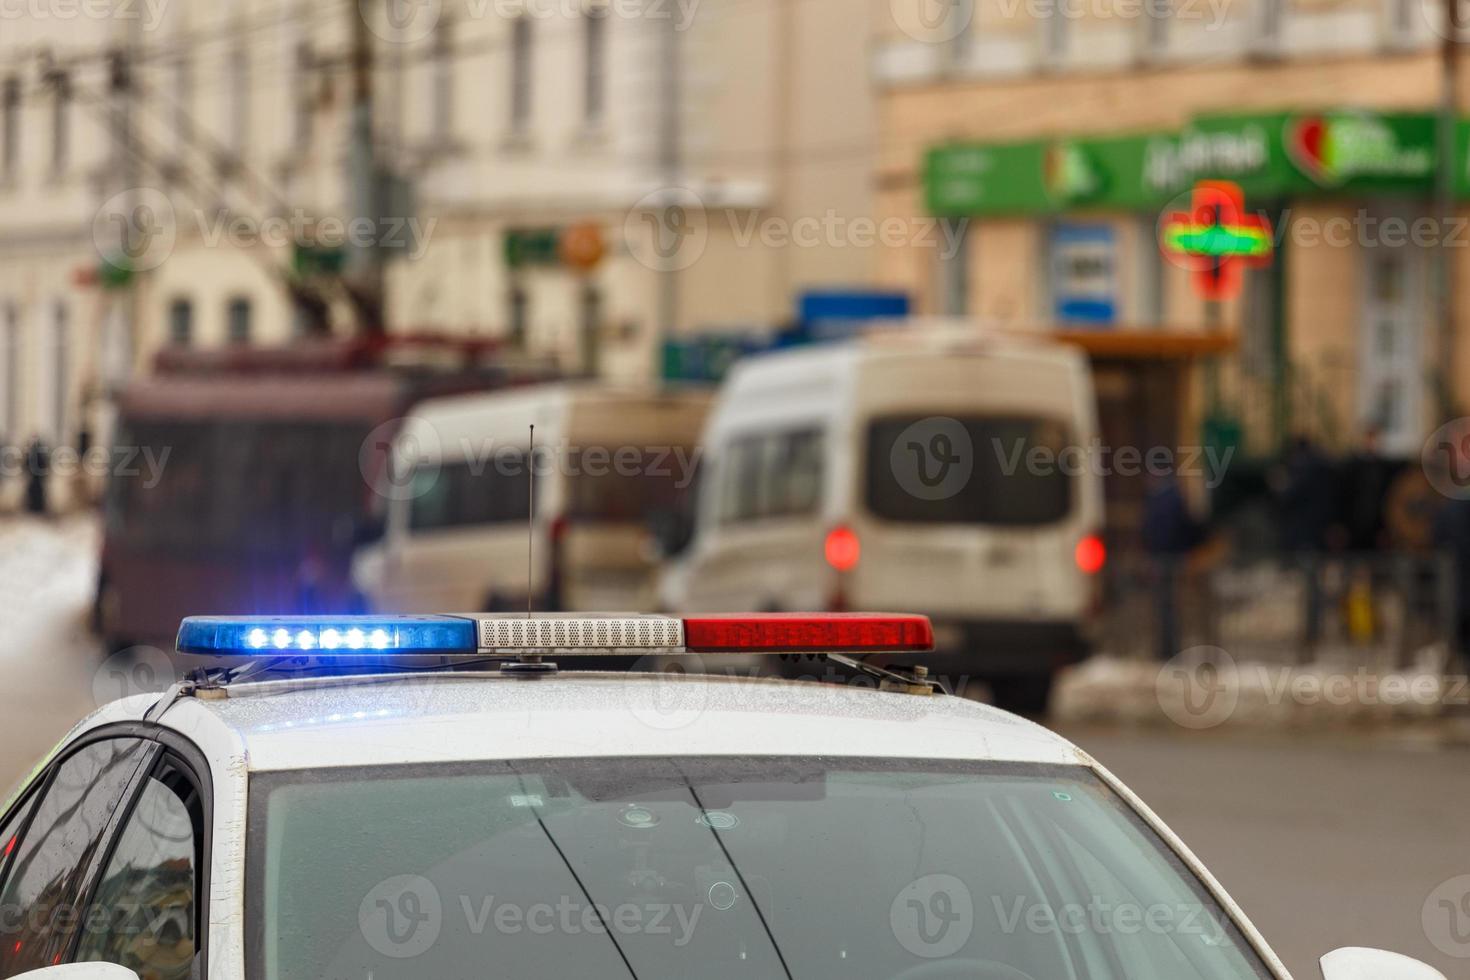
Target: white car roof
x: 402, y: 719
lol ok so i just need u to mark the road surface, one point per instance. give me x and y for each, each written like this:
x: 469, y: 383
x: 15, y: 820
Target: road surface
x: 1324, y: 840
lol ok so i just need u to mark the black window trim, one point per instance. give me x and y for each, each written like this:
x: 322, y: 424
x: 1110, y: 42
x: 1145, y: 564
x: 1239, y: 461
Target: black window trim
x: 163, y: 748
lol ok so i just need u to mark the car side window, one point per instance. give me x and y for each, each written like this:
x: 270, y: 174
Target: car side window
x: 43, y: 885
x: 145, y: 911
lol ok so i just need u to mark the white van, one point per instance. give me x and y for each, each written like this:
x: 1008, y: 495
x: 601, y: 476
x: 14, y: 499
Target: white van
x: 609, y: 463
x: 916, y: 471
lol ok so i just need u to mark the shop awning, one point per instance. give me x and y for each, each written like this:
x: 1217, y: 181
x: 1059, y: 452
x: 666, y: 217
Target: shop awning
x: 1152, y: 345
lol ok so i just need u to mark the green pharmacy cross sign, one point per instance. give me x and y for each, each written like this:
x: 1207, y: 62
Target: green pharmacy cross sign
x: 1215, y: 238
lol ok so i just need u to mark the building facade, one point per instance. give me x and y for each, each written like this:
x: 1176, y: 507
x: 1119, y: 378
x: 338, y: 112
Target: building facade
x: 1062, y: 136
x: 583, y: 179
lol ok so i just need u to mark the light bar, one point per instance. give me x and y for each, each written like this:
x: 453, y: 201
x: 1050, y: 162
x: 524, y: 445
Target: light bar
x: 494, y: 635
x: 809, y: 633
x: 266, y: 636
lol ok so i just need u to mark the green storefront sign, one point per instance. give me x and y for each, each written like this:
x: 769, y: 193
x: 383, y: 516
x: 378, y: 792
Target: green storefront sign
x: 1272, y: 156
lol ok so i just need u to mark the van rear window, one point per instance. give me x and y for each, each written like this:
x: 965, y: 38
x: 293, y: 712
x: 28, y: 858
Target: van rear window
x: 970, y: 470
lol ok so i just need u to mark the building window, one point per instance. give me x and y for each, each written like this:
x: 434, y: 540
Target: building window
x: 183, y: 70
x: 60, y: 83
x: 1150, y: 284
x: 10, y: 128
x: 302, y: 103
x: 121, y: 123
x: 60, y: 329
x: 237, y: 318
x: 954, y: 269
x: 10, y: 350
x: 1157, y: 14
x: 1268, y: 28
x: 1054, y: 35
x: 181, y: 322
x: 442, y: 117
x: 239, y: 119
x: 520, y: 74
x: 590, y: 314
x: 519, y: 303
x: 594, y: 64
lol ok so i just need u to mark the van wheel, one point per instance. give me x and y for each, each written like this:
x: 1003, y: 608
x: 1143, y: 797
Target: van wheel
x: 1028, y: 694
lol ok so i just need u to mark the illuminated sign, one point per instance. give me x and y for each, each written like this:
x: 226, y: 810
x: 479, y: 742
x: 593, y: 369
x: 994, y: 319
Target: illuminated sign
x: 1216, y: 238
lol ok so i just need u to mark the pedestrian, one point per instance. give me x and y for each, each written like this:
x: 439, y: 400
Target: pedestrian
x: 38, y: 466
x: 1170, y: 532
x: 1367, y: 475
x: 1307, y: 512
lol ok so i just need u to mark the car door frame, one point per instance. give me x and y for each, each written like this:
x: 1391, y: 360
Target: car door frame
x: 160, y: 744
x: 35, y: 788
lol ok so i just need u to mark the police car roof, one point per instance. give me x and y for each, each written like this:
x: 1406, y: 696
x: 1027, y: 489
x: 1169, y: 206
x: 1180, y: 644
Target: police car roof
x: 408, y: 719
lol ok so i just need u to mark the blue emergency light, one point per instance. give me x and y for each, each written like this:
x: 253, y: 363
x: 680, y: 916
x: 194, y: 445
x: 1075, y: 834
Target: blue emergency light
x: 345, y: 636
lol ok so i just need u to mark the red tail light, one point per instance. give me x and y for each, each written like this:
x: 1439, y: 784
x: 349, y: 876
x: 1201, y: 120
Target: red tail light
x: 842, y: 549
x: 808, y: 633
x: 1091, y: 554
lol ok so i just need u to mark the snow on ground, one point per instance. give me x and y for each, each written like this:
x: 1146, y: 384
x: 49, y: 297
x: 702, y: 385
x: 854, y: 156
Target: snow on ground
x: 1208, y: 688
x: 49, y: 660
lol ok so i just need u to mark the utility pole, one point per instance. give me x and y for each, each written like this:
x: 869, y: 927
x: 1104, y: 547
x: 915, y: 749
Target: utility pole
x: 671, y: 216
x: 364, y: 265
x: 1444, y: 202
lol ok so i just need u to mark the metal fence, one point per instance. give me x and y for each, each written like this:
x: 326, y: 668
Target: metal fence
x: 1382, y: 609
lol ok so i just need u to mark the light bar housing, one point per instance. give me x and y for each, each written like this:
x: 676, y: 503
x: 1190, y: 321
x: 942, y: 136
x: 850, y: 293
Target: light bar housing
x: 489, y: 635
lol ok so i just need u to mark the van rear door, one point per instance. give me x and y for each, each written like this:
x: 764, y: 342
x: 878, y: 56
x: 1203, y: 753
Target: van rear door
x: 974, y: 483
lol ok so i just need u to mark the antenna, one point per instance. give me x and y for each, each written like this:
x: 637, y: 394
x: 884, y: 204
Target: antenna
x: 531, y: 522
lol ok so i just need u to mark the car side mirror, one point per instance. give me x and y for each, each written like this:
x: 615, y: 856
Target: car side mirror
x: 79, y: 971
x: 1360, y: 963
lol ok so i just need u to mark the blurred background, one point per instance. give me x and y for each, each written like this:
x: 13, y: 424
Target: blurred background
x: 1126, y: 338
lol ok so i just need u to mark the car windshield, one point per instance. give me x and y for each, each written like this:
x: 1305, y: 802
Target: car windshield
x: 660, y: 869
